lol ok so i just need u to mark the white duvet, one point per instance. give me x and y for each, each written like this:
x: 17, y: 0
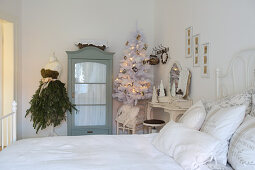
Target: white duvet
x: 98, y: 152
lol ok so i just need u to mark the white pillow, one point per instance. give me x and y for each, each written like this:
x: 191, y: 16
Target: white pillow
x: 190, y: 148
x: 222, y: 123
x: 244, y: 98
x: 215, y: 166
x: 194, y: 116
x: 241, y: 154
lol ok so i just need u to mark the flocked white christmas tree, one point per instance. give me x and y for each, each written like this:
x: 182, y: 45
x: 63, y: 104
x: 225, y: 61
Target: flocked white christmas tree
x: 133, y: 82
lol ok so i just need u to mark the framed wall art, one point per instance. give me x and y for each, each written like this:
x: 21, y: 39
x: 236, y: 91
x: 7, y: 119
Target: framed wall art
x: 188, y: 42
x: 205, y: 72
x: 196, y: 50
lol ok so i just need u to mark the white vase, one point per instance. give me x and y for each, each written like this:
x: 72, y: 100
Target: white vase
x: 161, y: 89
x: 154, y: 95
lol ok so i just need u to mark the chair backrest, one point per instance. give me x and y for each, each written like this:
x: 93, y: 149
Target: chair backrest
x: 127, y: 113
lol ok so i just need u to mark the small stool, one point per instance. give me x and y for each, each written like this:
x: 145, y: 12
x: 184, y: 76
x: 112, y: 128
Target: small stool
x: 153, y: 123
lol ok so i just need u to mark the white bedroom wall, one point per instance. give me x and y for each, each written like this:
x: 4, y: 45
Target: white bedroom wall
x: 227, y: 24
x: 49, y: 26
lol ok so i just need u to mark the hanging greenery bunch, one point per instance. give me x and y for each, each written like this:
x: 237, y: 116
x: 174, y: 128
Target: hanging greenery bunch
x: 50, y: 101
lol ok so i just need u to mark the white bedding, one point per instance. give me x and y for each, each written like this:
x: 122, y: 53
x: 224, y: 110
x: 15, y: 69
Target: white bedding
x: 99, y: 152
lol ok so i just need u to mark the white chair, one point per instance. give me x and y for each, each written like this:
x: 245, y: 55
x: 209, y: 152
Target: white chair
x: 128, y: 118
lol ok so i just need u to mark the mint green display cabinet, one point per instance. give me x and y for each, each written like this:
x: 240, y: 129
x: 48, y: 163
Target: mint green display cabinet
x: 90, y: 89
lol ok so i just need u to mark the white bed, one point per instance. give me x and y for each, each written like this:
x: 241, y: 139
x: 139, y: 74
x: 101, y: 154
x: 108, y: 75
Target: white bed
x: 98, y: 152
x: 112, y: 152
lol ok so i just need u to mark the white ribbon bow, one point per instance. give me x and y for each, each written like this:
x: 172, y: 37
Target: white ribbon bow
x: 46, y: 82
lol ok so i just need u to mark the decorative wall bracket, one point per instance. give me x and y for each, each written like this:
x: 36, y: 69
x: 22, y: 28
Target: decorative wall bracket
x: 80, y: 45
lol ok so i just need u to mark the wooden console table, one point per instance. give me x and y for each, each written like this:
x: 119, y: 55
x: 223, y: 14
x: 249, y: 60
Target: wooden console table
x: 175, y: 108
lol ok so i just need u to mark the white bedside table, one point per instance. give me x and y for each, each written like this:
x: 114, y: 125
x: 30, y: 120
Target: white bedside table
x: 175, y: 108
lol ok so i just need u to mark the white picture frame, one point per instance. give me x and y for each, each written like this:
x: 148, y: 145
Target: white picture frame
x: 188, y: 42
x: 205, y: 59
x: 196, y: 50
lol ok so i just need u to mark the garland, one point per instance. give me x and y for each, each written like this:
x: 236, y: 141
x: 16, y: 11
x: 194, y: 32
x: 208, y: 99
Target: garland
x: 49, y: 106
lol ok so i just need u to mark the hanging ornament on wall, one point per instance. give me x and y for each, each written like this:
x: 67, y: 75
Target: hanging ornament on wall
x: 162, y: 51
x: 125, y: 57
x: 154, y: 60
x: 164, y: 57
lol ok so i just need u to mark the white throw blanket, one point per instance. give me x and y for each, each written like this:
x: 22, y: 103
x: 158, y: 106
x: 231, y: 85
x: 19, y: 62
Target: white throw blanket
x: 127, y: 115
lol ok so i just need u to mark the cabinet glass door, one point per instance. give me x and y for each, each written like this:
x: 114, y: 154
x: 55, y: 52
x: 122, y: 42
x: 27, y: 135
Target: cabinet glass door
x: 89, y: 92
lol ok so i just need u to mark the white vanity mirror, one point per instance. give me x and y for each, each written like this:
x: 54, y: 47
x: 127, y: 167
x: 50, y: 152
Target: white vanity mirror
x: 179, y: 81
x: 174, y: 78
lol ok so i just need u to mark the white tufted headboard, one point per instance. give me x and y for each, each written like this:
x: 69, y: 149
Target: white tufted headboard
x: 240, y: 74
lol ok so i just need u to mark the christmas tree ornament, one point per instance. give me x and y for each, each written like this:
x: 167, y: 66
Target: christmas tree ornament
x: 145, y: 47
x: 50, y: 101
x: 138, y: 37
x: 135, y: 69
x: 135, y: 84
x: 124, y: 71
x: 125, y: 57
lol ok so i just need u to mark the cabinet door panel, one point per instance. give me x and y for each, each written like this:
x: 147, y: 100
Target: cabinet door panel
x: 90, y: 94
x: 90, y: 116
x: 90, y: 72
